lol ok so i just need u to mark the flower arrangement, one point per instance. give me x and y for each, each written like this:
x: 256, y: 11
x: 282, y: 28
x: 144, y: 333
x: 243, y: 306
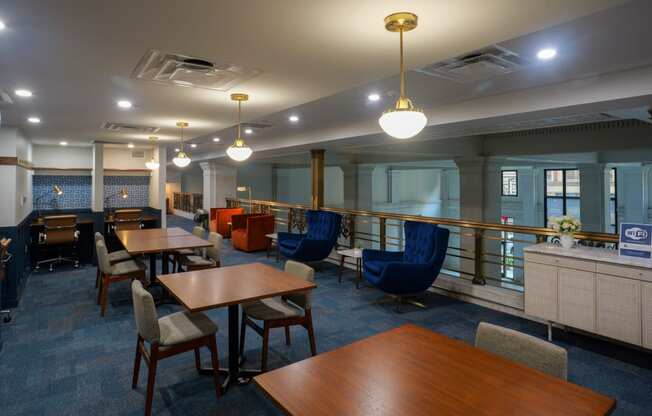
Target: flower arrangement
x: 565, y: 224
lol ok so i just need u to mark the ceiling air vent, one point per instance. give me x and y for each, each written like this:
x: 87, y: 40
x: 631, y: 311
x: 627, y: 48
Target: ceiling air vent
x: 483, y: 64
x: 128, y: 128
x: 138, y: 154
x: 5, y: 98
x: 187, y: 71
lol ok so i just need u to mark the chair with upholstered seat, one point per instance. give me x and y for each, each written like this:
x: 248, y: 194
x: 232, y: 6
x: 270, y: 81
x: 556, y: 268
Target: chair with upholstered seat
x: 111, y: 273
x: 167, y: 336
x: 522, y: 348
x: 285, y: 311
x: 114, y: 257
x: 220, y: 220
x: 199, y: 262
x: 317, y: 243
x: 197, y: 231
x: 403, y: 274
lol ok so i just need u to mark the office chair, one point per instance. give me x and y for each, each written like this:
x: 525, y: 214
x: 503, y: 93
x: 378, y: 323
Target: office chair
x: 127, y: 219
x: 60, y: 232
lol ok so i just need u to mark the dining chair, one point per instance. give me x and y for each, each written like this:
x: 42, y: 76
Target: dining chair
x: 522, y: 348
x: 114, y: 257
x: 110, y: 273
x: 283, y: 311
x: 199, y: 262
x: 170, y: 335
x: 197, y: 231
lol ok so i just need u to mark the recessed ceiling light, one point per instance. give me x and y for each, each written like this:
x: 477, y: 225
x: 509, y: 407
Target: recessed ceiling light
x: 63, y: 143
x: 294, y: 118
x: 547, y: 53
x: 23, y: 93
x: 2, y: 25
x: 177, y: 150
x: 34, y: 120
x: 130, y: 145
x: 248, y: 131
x: 193, y: 145
x: 216, y: 139
x: 373, y: 97
x: 124, y: 104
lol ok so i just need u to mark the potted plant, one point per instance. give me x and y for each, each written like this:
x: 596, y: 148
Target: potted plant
x: 566, y: 226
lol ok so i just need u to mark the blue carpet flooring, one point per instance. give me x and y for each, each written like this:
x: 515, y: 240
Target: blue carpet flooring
x: 61, y: 358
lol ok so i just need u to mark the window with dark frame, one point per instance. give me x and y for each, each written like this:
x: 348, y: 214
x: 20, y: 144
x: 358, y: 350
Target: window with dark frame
x: 561, y: 193
x: 510, y: 182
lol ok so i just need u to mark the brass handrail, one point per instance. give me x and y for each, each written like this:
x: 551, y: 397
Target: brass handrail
x: 478, y: 234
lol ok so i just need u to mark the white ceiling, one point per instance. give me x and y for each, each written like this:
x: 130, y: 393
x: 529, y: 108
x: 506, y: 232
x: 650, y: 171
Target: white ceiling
x: 77, y: 56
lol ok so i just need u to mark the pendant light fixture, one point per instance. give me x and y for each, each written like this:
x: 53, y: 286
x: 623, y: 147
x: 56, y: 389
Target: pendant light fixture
x: 239, y: 151
x: 403, y: 121
x: 152, y: 164
x: 181, y: 160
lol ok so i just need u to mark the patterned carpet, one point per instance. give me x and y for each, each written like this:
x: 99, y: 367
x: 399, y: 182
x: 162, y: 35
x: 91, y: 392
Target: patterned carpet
x: 61, y: 358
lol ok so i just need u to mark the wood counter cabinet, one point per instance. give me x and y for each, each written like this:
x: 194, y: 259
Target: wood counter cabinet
x: 592, y: 289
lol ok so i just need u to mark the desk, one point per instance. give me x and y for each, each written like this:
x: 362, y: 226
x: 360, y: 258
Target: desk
x: 229, y: 286
x: 414, y: 371
x: 158, y: 240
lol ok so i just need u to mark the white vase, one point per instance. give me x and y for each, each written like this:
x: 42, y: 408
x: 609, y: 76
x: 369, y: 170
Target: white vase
x: 567, y: 241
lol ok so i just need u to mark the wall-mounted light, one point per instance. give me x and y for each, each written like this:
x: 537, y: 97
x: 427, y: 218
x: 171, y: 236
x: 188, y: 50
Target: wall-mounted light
x: 56, y: 189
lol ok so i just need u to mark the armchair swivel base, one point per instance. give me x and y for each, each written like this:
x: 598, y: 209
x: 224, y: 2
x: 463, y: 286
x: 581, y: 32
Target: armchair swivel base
x: 401, y: 300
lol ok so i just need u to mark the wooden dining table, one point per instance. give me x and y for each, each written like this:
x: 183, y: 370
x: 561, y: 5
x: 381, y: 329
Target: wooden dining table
x: 155, y: 241
x: 414, y: 371
x: 201, y: 290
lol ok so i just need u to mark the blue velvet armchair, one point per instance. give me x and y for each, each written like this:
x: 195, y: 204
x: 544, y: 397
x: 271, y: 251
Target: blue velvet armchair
x: 409, y: 272
x: 317, y: 243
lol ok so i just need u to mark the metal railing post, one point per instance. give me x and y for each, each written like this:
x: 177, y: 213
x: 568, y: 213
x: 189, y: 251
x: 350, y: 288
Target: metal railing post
x: 383, y: 233
x: 478, y: 276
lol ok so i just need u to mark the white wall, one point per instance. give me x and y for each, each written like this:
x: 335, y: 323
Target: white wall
x: 62, y: 157
x: 121, y: 158
x: 259, y: 177
x: 15, y: 181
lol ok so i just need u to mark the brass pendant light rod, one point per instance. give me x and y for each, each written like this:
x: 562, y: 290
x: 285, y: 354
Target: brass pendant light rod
x: 402, y: 67
x: 182, y: 124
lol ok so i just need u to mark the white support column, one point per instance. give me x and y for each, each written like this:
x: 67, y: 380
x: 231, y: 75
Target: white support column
x: 97, y: 181
x: 158, y: 178
x: 592, y: 196
x: 365, y: 187
x: 219, y: 184
x: 350, y: 185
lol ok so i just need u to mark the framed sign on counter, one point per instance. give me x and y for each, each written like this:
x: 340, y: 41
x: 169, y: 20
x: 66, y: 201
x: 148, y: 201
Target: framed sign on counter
x: 635, y: 240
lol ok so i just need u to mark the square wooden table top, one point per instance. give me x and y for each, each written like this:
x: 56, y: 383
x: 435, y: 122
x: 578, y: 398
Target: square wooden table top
x: 414, y: 371
x: 223, y: 286
x: 159, y: 239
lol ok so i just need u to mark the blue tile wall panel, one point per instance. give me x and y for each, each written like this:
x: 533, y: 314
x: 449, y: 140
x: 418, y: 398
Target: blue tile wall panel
x: 76, y: 192
x: 137, y: 187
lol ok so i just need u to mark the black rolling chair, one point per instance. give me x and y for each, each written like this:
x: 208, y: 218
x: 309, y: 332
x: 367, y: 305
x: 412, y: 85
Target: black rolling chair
x: 60, y: 234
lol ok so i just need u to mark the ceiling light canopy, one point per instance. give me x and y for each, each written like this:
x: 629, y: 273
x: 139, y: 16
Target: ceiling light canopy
x: 126, y: 104
x: 239, y: 151
x: 34, y: 120
x: 23, y: 93
x: 181, y: 160
x: 404, y: 120
x: 546, y: 53
x: 373, y: 97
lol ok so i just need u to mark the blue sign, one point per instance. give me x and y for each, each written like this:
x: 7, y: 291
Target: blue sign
x: 635, y: 240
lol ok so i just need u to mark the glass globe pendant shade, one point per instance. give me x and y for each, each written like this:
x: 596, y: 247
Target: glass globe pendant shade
x: 152, y: 164
x: 239, y: 151
x: 404, y: 121
x: 182, y: 160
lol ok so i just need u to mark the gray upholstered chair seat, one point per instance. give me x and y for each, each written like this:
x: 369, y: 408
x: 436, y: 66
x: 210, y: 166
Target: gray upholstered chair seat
x: 272, y: 308
x: 195, y: 261
x: 118, y: 256
x: 184, y: 326
x: 185, y: 252
x: 127, y: 267
x: 522, y: 348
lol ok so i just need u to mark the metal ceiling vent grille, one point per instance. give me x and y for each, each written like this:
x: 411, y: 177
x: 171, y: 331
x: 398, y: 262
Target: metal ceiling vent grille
x: 483, y: 64
x: 138, y: 154
x: 187, y: 71
x: 128, y: 128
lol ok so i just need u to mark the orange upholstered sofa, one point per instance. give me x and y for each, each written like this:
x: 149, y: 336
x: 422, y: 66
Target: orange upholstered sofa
x: 248, y: 232
x: 220, y: 219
